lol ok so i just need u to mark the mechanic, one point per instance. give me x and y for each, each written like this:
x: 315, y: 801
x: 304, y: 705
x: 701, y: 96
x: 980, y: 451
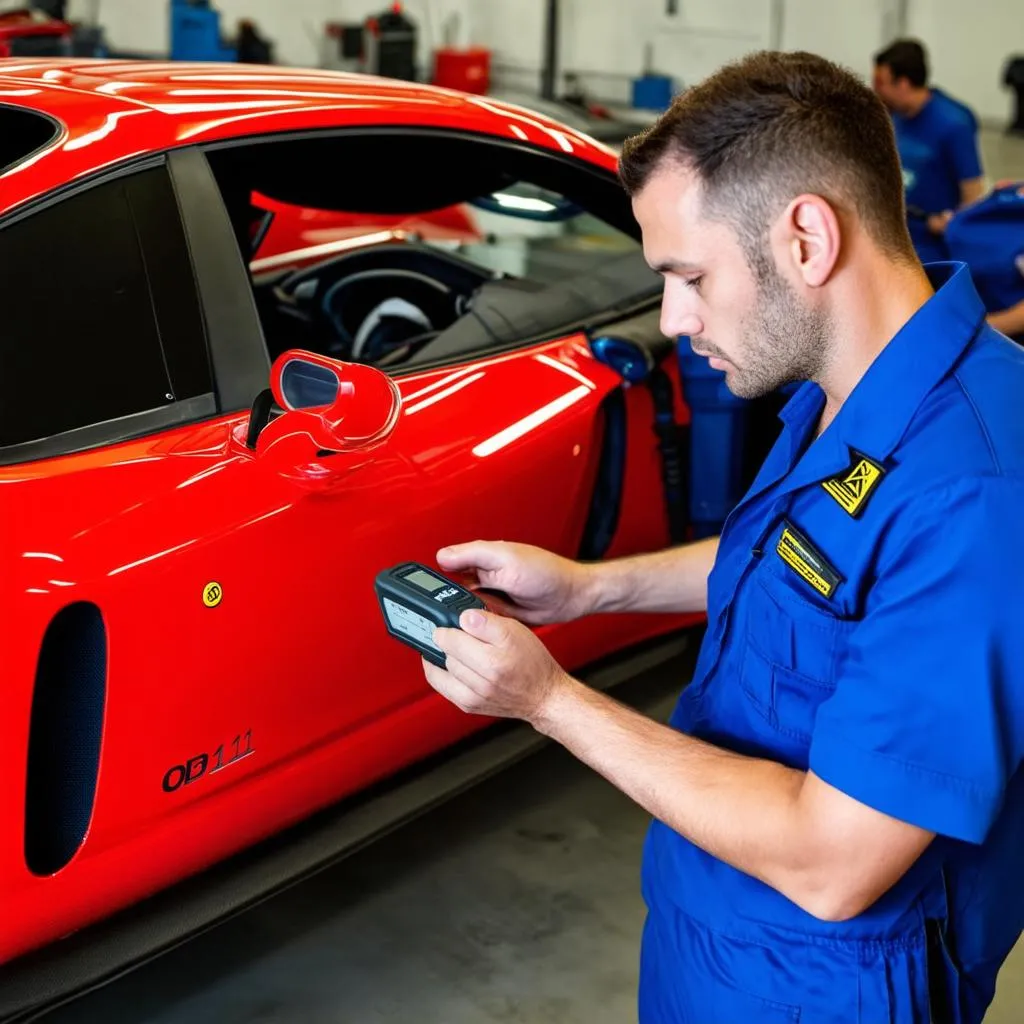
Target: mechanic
x: 989, y: 237
x: 937, y: 138
x: 838, y: 802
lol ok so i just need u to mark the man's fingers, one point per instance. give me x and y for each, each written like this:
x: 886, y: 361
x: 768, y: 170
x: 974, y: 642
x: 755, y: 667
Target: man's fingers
x: 485, y: 626
x: 479, y: 643
x: 463, y: 648
x: 451, y: 687
x: 478, y: 554
x: 512, y: 611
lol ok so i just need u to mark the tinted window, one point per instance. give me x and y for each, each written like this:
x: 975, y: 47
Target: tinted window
x: 79, y: 339
x: 22, y: 132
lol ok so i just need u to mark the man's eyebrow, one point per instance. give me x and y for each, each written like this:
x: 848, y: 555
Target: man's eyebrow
x: 674, y: 267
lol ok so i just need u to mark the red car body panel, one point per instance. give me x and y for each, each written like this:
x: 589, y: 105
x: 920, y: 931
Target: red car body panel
x: 290, y: 681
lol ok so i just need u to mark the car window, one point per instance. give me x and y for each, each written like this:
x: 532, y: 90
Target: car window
x: 522, y: 230
x: 486, y: 245
x: 22, y: 133
x: 532, y: 233
x: 96, y: 327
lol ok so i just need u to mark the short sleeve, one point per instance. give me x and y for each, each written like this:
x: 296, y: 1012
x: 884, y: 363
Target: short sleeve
x: 926, y: 723
x: 962, y: 147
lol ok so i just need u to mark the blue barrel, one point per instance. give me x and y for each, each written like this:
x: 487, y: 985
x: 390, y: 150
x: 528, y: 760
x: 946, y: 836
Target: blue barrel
x: 653, y: 92
x: 718, y: 423
x: 195, y: 33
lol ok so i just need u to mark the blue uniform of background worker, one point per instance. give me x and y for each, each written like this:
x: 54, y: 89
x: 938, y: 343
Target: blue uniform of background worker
x: 839, y: 797
x: 989, y: 237
x: 937, y: 139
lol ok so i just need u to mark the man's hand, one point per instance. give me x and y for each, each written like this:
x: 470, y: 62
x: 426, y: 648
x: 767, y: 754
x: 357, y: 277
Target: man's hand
x: 937, y: 222
x: 496, y: 667
x: 544, y: 587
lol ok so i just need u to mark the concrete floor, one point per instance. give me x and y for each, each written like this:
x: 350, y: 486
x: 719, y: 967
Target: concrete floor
x: 517, y: 902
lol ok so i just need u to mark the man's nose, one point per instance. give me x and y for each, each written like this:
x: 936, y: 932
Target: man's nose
x: 678, y: 317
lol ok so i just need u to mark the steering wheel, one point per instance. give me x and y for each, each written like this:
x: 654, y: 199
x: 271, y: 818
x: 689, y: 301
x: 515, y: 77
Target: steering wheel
x: 371, y: 311
x: 381, y: 302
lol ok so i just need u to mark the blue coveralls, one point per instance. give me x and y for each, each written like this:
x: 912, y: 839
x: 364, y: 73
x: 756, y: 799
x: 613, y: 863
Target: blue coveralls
x: 989, y: 237
x: 938, y: 149
x: 866, y: 623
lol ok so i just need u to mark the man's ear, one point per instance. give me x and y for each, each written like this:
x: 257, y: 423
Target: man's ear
x: 811, y: 236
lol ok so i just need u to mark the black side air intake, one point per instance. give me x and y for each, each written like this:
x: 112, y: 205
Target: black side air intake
x: 64, y: 742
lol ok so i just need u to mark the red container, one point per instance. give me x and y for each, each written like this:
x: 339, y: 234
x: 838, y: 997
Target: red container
x: 465, y: 70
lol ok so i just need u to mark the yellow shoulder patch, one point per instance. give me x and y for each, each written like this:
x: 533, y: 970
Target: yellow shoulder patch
x: 852, y: 488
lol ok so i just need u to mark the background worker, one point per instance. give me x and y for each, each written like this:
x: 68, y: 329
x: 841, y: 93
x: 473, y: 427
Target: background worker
x: 989, y: 237
x: 937, y: 139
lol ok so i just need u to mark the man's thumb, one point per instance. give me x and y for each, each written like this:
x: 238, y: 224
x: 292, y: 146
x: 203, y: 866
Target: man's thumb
x: 480, y: 624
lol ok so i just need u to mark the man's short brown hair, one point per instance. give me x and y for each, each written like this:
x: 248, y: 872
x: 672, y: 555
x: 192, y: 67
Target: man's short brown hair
x: 905, y: 58
x: 773, y: 126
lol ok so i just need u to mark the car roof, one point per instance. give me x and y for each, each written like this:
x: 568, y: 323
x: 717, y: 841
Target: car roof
x: 113, y: 111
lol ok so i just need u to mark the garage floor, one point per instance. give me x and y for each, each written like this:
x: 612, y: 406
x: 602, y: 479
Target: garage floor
x: 516, y: 902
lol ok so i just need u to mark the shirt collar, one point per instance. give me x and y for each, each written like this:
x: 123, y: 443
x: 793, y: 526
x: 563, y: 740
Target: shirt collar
x: 878, y: 411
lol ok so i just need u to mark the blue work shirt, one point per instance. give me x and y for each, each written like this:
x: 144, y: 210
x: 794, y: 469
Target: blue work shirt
x: 989, y: 237
x: 865, y: 623
x: 938, y: 149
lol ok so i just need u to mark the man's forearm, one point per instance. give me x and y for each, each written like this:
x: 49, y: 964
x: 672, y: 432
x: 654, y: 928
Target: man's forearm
x: 742, y: 810
x: 971, y: 190
x: 675, y: 580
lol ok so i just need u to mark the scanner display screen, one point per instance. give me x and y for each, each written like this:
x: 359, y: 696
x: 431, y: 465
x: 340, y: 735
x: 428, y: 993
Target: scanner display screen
x: 425, y: 581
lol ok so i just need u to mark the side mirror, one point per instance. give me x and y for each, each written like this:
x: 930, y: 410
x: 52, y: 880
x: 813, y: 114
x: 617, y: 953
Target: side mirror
x: 328, y: 408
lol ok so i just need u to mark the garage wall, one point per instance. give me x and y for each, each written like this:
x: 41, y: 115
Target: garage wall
x: 849, y: 32
x: 295, y: 26
x: 969, y: 45
x: 607, y: 40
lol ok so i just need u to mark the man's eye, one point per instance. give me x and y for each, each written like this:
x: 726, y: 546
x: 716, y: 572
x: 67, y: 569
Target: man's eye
x: 694, y: 282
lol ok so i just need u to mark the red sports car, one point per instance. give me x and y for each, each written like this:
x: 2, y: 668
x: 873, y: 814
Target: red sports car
x: 217, y: 426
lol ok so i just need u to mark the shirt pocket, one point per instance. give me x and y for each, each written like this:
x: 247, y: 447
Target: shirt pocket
x: 793, y: 646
